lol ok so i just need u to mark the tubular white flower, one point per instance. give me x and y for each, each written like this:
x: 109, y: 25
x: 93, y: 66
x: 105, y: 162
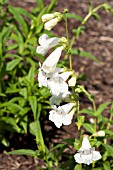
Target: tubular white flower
x: 50, y: 63
x: 50, y: 24
x: 47, y: 17
x: 46, y: 43
x: 61, y: 115
x: 53, y: 81
x: 44, y: 78
x: 57, y: 85
x: 86, y: 154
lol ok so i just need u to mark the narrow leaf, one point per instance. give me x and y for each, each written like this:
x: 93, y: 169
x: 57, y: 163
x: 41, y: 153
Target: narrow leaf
x: 33, y: 104
x: 12, y: 64
x: 51, y: 6
x: 40, y: 4
x: 89, y: 127
x: 74, y: 16
x: 102, y: 107
x: 88, y: 55
x: 19, y: 19
x: 108, y: 148
x: 28, y: 152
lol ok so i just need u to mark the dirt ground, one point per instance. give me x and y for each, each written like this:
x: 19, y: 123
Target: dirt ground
x: 98, y: 40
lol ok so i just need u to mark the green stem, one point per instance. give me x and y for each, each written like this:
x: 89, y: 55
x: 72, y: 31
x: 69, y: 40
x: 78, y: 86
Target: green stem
x: 67, y: 32
x: 91, y: 13
x: 95, y: 119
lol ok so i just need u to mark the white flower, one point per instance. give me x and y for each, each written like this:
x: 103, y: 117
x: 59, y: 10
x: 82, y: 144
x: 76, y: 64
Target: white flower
x: 50, y: 63
x: 57, y: 85
x: 47, y: 17
x: 53, y: 81
x: 44, y: 78
x: 51, y: 23
x: 56, y: 100
x: 46, y: 43
x: 62, y: 115
x: 86, y: 154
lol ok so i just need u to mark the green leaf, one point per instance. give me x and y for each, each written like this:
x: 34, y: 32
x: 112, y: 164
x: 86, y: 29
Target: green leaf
x: 89, y: 127
x: 83, y: 54
x: 23, y: 92
x: 35, y: 129
x: 108, y: 132
x: 2, y: 94
x: 5, y: 142
x: 28, y: 152
x: 12, y: 46
x: 18, y: 37
x: 100, y: 168
x: 80, y: 121
x: 12, y: 64
x: 78, y: 167
x: 87, y: 111
x: 24, y: 12
x: 40, y: 4
x: 108, y: 148
x: 19, y: 19
x: 39, y: 110
x: 106, y: 165
x: 31, y: 75
x: 33, y: 104
x: 9, y: 121
x: 51, y: 6
x: 74, y: 16
x: 0, y: 46
x: 6, y: 31
x: 102, y: 107
x: 87, y: 54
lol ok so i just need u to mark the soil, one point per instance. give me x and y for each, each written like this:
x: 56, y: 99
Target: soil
x: 98, y: 40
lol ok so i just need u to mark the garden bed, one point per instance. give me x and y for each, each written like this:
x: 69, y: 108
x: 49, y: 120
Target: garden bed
x: 98, y: 40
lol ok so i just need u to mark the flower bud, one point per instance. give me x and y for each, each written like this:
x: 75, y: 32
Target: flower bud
x: 99, y: 133
x: 47, y: 17
x: 50, y: 24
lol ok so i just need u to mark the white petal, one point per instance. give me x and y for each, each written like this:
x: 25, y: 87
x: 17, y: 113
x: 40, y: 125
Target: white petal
x: 41, y: 50
x: 85, y: 143
x: 67, y: 119
x: 49, y: 64
x: 52, y: 42
x: 42, y: 78
x: 66, y: 108
x: 50, y: 24
x: 47, y: 17
x: 56, y: 118
x: 43, y: 39
x: 65, y: 75
x: 96, y: 155
x: 57, y: 86
x: 47, y: 42
x: 78, y: 159
x: 86, y: 159
x: 72, y: 82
